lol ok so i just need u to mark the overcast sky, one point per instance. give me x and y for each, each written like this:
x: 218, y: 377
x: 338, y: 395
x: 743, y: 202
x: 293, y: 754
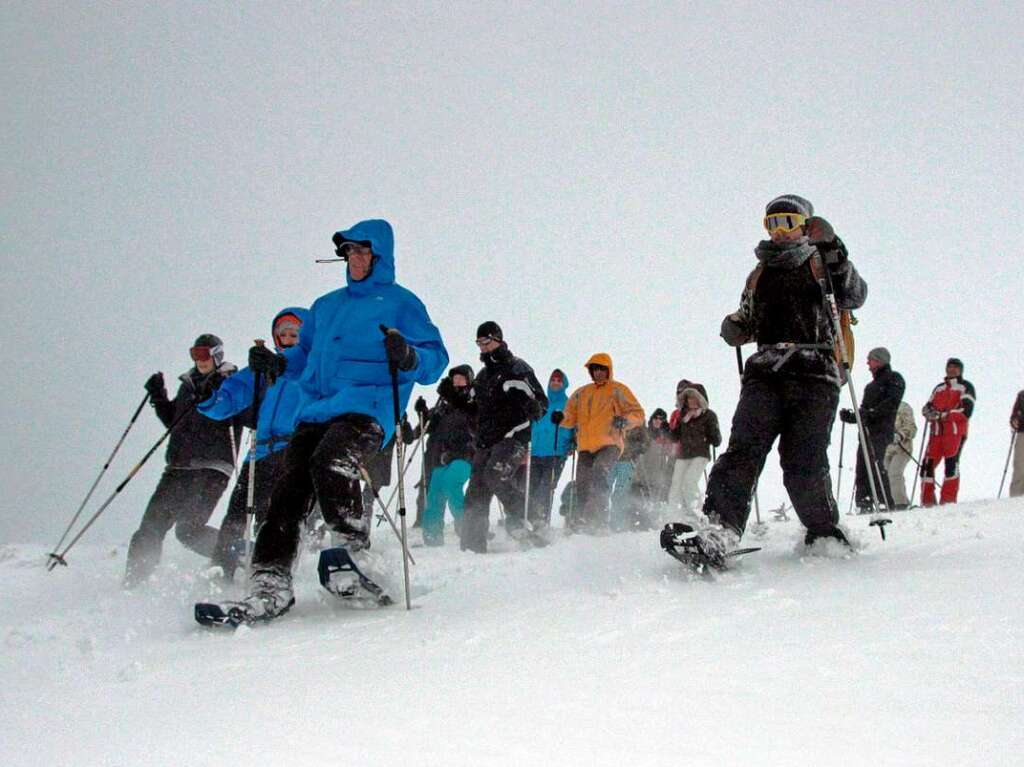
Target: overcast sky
x: 590, y: 175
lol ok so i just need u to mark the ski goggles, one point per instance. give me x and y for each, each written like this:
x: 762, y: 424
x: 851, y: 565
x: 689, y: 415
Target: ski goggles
x: 204, y: 353
x: 784, y: 222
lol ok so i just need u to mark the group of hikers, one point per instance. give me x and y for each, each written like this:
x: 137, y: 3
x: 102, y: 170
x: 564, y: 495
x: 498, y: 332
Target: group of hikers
x: 327, y: 403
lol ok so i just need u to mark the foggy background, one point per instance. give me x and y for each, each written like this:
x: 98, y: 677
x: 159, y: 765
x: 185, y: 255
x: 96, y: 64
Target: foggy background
x: 592, y: 176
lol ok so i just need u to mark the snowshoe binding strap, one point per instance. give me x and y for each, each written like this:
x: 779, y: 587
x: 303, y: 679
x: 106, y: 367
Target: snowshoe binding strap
x: 339, y: 560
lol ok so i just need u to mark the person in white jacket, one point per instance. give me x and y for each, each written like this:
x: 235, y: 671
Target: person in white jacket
x: 899, y: 453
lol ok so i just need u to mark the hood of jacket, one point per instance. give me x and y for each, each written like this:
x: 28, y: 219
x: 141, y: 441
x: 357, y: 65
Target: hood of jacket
x: 602, y: 359
x: 690, y: 391
x: 557, y: 399
x: 378, y: 233
x: 298, y: 311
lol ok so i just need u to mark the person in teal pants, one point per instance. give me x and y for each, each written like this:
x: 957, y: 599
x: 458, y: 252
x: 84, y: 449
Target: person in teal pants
x: 451, y: 432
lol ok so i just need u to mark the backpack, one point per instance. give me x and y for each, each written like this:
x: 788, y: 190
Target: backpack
x: 846, y: 318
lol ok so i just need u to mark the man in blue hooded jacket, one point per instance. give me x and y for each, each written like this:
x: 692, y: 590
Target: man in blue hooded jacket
x: 347, y: 411
x: 550, y: 444
x: 279, y: 404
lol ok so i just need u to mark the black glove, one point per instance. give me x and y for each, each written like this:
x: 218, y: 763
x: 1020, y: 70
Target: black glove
x: 732, y: 332
x: 408, y: 433
x: 846, y: 415
x: 206, y: 386
x: 270, y: 364
x: 421, y: 407
x: 400, y: 354
x: 155, y: 387
x: 619, y: 422
x: 557, y: 417
x: 822, y: 236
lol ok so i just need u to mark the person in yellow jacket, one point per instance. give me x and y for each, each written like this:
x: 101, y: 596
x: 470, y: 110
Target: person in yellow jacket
x: 601, y: 412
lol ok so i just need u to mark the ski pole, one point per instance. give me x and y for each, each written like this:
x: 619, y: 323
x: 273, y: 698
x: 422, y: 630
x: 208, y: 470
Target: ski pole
x: 422, y: 505
x: 400, y: 450
x: 59, y: 558
x: 384, y: 510
x: 526, y: 496
x: 757, y: 501
x: 408, y: 465
x: 920, y: 464
x: 250, y: 498
x: 842, y: 448
x: 106, y: 465
x: 551, y: 489
x: 907, y: 452
x: 878, y: 469
x: 1006, y: 467
x: 572, y: 493
x: 833, y: 308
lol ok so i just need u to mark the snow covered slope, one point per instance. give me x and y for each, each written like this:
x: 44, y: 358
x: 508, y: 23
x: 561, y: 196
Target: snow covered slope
x: 593, y: 651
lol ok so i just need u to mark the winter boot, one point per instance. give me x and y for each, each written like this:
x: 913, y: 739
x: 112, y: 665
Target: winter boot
x: 707, y: 547
x: 826, y: 533
x: 270, y: 596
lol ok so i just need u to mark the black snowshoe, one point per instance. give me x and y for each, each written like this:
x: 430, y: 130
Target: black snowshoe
x: 703, y: 553
x: 342, y: 577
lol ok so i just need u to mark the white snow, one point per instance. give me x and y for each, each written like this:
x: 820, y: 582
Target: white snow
x: 592, y: 651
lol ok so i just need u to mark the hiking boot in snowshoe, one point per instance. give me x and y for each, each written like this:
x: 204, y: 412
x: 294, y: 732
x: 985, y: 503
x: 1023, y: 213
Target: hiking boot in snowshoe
x: 708, y: 547
x: 832, y: 532
x: 270, y: 597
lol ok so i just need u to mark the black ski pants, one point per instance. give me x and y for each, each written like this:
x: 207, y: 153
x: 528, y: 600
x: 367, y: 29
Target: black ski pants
x: 184, y: 499
x: 877, y: 447
x: 496, y: 472
x: 322, y: 459
x: 232, y: 528
x: 545, y: 472
x: 800, y: 413
x: 593, y: 486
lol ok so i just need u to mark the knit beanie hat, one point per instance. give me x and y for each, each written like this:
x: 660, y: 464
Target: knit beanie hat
x: 490, y: 329
x: 880, y: 354
x: 956, y: 361
x: 790, y: 203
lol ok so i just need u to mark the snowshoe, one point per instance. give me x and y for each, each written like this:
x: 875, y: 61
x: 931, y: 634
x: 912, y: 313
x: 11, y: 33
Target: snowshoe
x: 271, y: 597
x: 702, y: 552
x: 834, y: 532
x: 342, y: 577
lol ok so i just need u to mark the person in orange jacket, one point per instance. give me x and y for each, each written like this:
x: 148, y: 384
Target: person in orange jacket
x: 601, y: 412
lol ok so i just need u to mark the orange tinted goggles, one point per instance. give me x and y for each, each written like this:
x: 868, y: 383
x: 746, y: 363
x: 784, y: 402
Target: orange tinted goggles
x: 784, y: 222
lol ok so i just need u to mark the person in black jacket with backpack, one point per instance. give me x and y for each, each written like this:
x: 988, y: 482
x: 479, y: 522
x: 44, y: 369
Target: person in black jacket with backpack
x: 200, y: 461
x: 882, y: 397
x: 506, y: 399
x: 791, y: 382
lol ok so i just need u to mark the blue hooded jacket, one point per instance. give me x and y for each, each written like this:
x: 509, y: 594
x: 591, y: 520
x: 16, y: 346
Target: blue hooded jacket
x: 278, y: 406
x: 543, y: 433
x: 340, y: 353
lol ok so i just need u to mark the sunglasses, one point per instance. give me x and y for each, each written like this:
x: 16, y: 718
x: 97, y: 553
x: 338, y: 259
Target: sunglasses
x: 784, y: 222
x: 203, y: 353
x: 348, y: 249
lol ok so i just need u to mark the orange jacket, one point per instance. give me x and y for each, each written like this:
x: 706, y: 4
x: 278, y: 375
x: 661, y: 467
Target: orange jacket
x: 591, y: 409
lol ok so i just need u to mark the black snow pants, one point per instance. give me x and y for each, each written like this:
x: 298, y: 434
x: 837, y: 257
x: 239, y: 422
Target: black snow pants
x: 184, y: 499
x: 321, y: 459
x: 800, y: 412
x: 545, y: 472
x: 593, y: 487
x: 497, y: 471
x: 863, y: 491
x: 232, y: 528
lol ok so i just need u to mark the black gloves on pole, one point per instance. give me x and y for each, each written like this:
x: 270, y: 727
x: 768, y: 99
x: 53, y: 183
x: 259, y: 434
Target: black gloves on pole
x: 266, y: 362
x: 400, y: 354
x: 155, y: 387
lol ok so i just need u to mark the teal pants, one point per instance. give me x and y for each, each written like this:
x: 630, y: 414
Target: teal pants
x: 447, y: 486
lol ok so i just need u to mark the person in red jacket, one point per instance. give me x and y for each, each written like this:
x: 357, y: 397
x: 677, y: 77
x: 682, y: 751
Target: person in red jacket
x: 948, y: 411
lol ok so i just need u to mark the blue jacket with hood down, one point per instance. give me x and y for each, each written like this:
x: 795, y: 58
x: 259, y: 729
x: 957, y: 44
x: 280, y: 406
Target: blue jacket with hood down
x: 543, y: 434
x: 340, y: 353
x: 278, y: 406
